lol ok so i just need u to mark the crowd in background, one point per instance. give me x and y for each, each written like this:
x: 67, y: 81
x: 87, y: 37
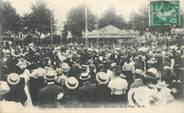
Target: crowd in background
x: 51, y: 76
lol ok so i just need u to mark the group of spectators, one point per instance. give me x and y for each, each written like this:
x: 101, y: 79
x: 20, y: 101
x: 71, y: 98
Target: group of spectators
x: 74, y: 75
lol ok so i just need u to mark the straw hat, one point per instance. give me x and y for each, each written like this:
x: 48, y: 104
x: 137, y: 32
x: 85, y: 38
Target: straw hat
x: 139, y: 96
x: 13, y: 79
x: 50, y: 75
x: 65, y: 67
x: 71, y: 83
x: 102, y: 78
x: 152, y: 73
x: 84, y: 76
x: 83, y: 67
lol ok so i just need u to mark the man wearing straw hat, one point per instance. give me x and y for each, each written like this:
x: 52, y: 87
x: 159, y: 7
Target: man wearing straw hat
x: 102, y: 92
x: 87, y: 89
x: 71, y: 91
x: 51, y: 94
x: 16, y: 93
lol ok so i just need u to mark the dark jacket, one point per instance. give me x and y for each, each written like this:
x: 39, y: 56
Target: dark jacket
x: 87, y: 92
x: 17, y: 93
x: 70, y: 98
x: 102, y: 94
x: 48, y: 95
x: 35, y: 84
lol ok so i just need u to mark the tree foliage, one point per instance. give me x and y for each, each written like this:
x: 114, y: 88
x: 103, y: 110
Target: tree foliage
x: 111, y: 17
x: 139, y: 19
x: 9, y: 19
x: 39, y: 20
x: 76, y: 21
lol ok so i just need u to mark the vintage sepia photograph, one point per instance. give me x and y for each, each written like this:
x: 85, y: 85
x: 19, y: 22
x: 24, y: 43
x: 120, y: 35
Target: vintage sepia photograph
x: 91, y: 56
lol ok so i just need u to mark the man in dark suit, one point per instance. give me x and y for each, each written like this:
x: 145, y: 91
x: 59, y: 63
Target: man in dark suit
x: 16, y: 93
x: 51, y: 94
x: 102, y: 92
x: 87, y: 89
x: 36, y: 82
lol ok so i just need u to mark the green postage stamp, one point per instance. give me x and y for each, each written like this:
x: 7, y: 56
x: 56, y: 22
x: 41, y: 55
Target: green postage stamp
x: 164, y: 12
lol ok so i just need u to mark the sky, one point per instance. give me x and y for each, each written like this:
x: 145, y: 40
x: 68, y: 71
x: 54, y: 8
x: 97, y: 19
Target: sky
x: 124, y: 8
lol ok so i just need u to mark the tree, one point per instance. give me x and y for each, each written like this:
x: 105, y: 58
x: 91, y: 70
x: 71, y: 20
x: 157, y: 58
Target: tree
x: 110, y: 17
x: 9, y: 19
x: 76, y: 22
x: 39, y: 20
x: 140, y: 19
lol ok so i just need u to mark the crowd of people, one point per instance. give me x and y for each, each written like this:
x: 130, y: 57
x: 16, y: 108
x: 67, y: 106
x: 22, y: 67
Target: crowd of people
x: 56, y: 76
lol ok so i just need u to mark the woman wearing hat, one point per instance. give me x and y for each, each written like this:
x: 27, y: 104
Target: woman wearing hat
x: 149, y: 90
x: 154, y: 91
x: 118, y: 86
x: 16, y: 93
x: 142, y: 96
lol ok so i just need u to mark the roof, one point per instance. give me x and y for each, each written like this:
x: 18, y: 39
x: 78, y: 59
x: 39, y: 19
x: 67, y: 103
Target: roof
x: 111, y: 31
